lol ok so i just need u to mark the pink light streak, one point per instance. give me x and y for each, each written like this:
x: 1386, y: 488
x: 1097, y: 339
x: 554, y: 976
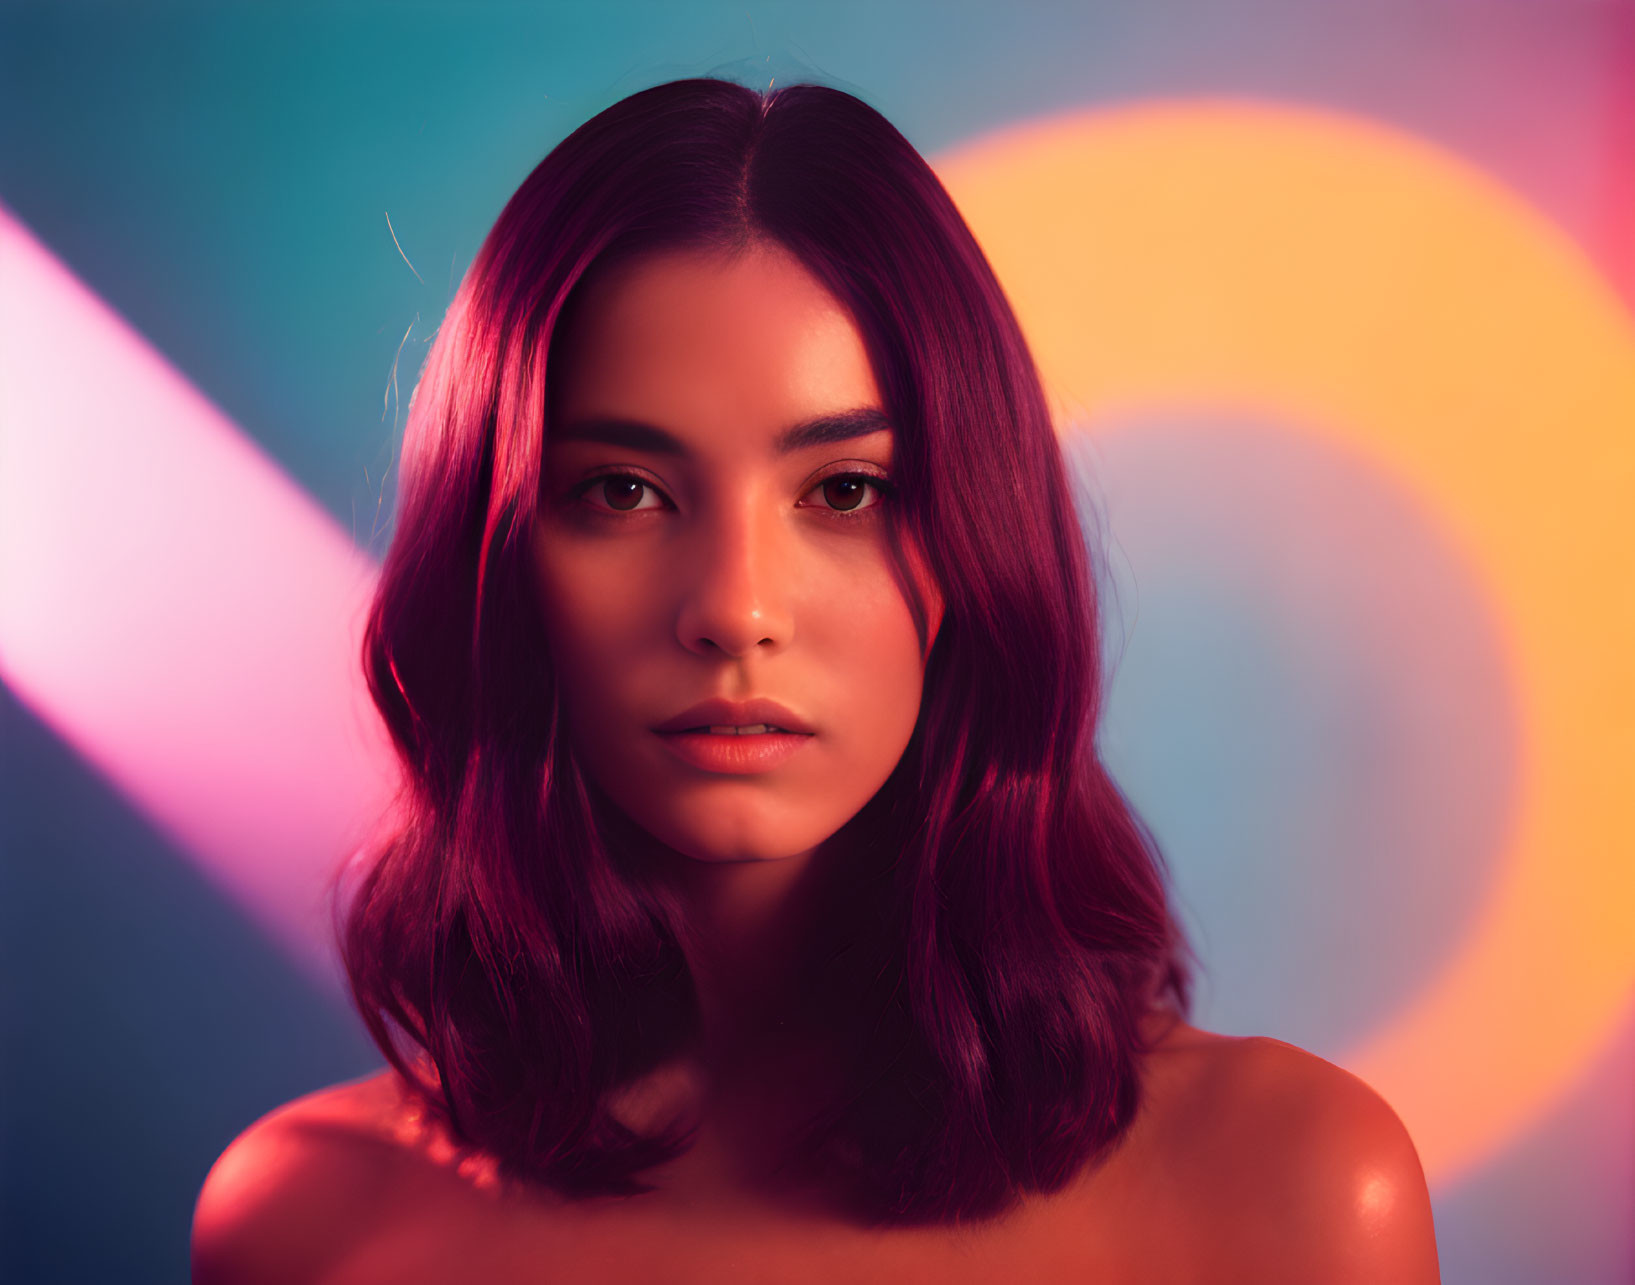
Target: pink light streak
x: 177, y: 609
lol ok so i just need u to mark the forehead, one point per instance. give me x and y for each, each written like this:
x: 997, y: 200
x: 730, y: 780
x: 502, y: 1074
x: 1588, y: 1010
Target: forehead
x: 700, y: 341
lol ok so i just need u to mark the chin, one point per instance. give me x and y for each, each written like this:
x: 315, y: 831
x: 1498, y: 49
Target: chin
x: 722, y: 849
x: 718, y: 840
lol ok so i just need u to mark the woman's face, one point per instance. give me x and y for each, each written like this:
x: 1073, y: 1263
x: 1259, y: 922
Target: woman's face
x: 704, y: 532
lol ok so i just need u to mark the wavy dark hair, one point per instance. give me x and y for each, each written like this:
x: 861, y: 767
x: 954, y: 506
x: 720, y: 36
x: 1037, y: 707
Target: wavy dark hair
x: 503, y: 954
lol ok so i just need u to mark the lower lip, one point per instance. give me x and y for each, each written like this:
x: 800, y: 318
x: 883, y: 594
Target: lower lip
x: 729, y: 752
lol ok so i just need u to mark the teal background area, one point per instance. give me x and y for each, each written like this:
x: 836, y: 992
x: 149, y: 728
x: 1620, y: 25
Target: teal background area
x: 223, y: 174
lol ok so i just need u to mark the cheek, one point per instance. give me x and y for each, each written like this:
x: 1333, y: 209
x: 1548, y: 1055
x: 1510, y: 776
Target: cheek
x: 869, y: 637
x: 587, y: 625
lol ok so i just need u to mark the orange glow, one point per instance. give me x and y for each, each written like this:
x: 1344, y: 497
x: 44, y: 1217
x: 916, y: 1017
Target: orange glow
x: 1330, y: 273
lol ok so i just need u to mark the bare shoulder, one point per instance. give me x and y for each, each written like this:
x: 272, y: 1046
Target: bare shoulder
x: 290, y: 1194
x: 1306, y: 1170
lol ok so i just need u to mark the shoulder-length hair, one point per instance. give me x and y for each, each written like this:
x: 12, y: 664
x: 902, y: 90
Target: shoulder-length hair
x: 507, y: 962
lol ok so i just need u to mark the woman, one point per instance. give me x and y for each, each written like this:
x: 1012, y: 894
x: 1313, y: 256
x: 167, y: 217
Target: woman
x: 759, y: 908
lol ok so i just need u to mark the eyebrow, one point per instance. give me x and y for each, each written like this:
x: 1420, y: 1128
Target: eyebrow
x: 820, y: 430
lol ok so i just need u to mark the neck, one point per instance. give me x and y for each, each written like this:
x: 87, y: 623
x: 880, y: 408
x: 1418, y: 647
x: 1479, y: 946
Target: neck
x: 759, y: 936
x: 748, y: 926
x: 776, y: 1005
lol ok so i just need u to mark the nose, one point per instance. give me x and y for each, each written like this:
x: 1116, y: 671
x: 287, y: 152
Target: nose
x: 736, y: 575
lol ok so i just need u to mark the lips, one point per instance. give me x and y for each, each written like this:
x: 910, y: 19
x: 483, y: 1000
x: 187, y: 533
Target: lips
x: 734, y: 755
x: 718, y: 712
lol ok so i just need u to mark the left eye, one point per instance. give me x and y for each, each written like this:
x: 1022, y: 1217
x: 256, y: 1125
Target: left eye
x: 845, y: 491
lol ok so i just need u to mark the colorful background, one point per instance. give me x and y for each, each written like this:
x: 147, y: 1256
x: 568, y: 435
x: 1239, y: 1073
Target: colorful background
x: 1335, y: 304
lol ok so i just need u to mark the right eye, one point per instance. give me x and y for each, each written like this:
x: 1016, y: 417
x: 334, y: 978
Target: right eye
x: 618, y: 492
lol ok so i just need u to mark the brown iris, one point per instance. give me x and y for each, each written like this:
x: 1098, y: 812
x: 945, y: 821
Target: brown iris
x: 854, y: 493
x: 627, y: 487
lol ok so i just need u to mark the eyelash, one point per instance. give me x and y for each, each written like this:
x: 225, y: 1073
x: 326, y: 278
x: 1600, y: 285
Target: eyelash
x: 886, y: 489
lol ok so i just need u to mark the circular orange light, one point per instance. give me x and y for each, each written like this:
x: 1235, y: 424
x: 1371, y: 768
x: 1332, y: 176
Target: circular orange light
x: 1327, y: 272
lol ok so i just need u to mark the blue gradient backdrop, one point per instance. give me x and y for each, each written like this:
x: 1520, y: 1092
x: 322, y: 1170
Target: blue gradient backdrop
x: 220, y: 174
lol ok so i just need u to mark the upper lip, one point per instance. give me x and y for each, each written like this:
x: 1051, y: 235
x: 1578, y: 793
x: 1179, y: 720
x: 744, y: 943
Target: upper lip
x: 717, y: 712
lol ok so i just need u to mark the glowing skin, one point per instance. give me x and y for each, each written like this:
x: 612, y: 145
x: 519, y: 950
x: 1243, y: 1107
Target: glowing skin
x: 735, y: 570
